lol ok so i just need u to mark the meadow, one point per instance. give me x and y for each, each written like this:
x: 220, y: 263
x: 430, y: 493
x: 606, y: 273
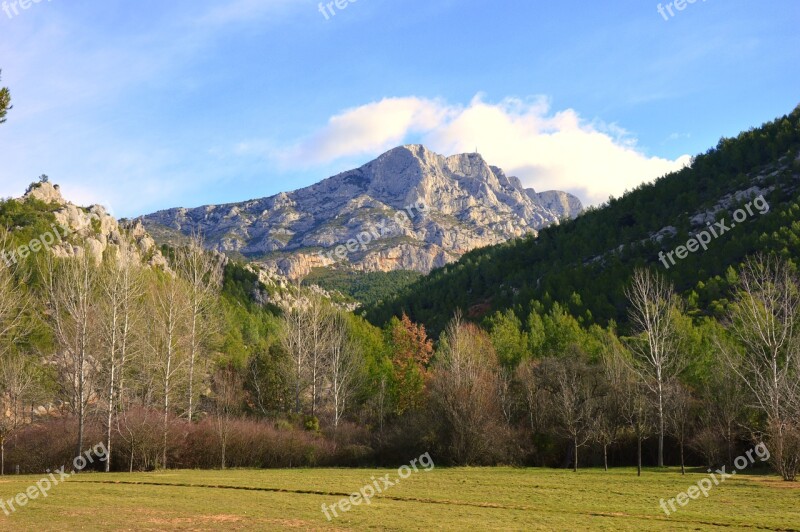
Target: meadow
x: 445, y: 499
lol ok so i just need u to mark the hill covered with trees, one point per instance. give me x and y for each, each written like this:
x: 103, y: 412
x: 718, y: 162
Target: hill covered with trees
x: 584, y: 264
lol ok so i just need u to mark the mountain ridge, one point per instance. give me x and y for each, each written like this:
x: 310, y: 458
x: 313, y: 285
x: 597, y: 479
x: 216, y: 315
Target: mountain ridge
x: 468, y: 204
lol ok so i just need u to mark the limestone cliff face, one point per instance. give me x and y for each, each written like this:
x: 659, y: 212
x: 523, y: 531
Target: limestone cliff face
x: 92, y: 229
x: 558, y: 202
x: 451, y: 204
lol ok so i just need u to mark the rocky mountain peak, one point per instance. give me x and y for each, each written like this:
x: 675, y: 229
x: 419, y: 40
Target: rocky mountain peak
x: 461, y: 202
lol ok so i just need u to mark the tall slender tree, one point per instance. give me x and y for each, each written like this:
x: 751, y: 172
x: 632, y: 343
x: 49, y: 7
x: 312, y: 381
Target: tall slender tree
x: 657, y: 349
x: 680, y: 417
x: 306, y: 337
x: 71, y: 287
x: 17, y: 382
x: 345, y: 369
x: 122, y: 288
x: 228, y: 398
x: 203, y: 271
x: 411, y: 352
x: 168, y: 344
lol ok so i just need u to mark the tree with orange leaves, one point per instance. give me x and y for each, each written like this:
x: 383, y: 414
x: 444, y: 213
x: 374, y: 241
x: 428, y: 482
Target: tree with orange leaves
x: 411, y: 353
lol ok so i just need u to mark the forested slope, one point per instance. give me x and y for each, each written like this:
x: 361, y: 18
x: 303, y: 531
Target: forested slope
x: 584, y: 264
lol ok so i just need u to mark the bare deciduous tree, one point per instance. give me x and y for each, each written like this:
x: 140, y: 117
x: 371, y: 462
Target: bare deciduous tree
x: 17, y: 381
x: 531, y: 393
x: 609, y: 421
x: 345, y: 368
x: 306, y: 337
x: 763, y: 320
x: 168, y: 339
x: 725, y: 401
x: 294, y: 340
x: 680, y: 417
x: 657, y: 352
x: 71, y: 289
x: 573, y: 390
x: 121, y: 284
x: 16, y: 377
x: 505, y: 394
x: 465, y: 389
x: 635, y: 404
x: 228, y: 398
x: 203, y: 272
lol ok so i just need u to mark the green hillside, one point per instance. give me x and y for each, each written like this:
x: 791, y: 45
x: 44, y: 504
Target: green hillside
x: 366, y: 288
x: 584, y: 264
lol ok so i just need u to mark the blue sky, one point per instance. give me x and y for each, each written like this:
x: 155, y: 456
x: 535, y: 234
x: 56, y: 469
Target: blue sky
x: 148, y: 105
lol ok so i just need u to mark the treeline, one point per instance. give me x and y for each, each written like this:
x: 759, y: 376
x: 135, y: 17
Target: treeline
x: 595, y: 255
x: 179, y: 367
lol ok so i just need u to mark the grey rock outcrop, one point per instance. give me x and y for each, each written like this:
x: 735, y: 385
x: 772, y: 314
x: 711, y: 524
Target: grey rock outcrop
x: 92, y: 229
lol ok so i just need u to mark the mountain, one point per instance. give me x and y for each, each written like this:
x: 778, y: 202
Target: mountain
x: 409, y: 209
x: 585, y: 264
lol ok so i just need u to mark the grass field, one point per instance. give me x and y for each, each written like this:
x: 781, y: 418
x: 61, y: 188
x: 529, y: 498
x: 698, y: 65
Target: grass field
x: 473, y: 499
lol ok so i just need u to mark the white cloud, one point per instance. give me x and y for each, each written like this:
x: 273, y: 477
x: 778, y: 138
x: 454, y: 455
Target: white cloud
x: 546, y: 149
x: 369, y: 129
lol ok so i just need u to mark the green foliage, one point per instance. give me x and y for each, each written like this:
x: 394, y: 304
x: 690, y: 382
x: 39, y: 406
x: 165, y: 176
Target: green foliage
x: 508, y: 338
x: 311, y: 423
x: 239, y: 284
x: 367, y: 288
x: 26, y: 220
x: 5, y: 102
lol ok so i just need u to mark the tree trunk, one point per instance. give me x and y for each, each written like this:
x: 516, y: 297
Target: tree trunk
x: 2, y: 457
x: 109, y: 420
x: 166, y: 430
x: 81, y: 410
x: 683, y: 463
x: 661, y: 428
x: 224, y: 445
x: 192, y: 356
x: 79, y: 450
x: 575, y: 462
x: 166, y: 418
x: 639, y: 456
x: 297, y: 395
x: 605, y: 456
